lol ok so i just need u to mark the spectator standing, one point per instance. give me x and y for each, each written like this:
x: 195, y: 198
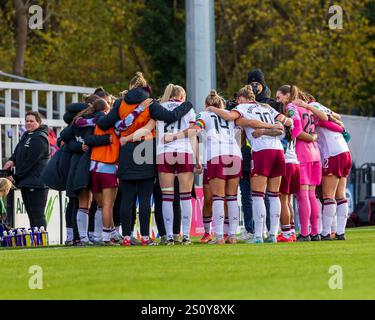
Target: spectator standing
x: 30, y: 159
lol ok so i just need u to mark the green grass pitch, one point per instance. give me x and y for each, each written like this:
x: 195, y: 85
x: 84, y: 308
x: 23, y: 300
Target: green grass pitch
x: 242, y: 271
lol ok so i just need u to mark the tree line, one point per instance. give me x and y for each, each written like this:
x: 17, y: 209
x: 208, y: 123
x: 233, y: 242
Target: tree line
x: 104, y: 42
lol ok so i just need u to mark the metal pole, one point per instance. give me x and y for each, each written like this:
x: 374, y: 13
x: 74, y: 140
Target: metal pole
x: 200, y: 50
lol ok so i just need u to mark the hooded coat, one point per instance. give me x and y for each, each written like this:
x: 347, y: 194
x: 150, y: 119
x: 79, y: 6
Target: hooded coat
x: 55, y: 175
x: 30, y: 157
x: 79, y: 169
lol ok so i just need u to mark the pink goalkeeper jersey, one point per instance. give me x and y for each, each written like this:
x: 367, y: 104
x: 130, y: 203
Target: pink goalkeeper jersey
x: 307, y: 151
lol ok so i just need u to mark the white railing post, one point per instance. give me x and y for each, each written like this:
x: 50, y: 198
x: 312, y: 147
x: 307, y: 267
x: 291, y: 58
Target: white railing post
x: 15, y: 137
x: 8, y: 114
x: 49, y: 101
x: 22, y: 103
x: 8, y: 102
x: 74, y: 97
x: 61, y: 104
x: 35, y: 100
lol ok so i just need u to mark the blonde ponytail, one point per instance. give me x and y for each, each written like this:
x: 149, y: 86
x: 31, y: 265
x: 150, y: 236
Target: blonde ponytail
x: 214, y: 100
x: 167, y: 93
x: 138, y: 81
x: 173, y: 92
x: 295, y: 93
x: 247, y: 93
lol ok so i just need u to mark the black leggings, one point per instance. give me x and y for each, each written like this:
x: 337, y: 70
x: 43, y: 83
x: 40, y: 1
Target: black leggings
x: 117, y: 211
x: 158, y: 199
x: 129, y: 190
x: 71, y: 216
x: 35, y: 201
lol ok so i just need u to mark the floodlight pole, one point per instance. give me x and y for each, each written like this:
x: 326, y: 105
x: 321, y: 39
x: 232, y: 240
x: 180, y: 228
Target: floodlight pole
x: 200, y: 50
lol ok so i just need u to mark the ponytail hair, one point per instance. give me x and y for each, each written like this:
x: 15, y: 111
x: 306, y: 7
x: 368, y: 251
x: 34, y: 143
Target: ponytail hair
x: 138, y: 81
x: 294, y: 92
x: 247, y: 93
x: 172, y: 91
x: 308, y: 97
x: 214, y: 100
x: 97, y: 106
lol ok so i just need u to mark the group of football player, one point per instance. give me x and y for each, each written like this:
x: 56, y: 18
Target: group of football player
x: 128, y: 149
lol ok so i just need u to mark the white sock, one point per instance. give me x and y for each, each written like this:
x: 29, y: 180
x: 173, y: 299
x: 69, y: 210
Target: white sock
x: 186, y: 213
x: 329, y: 209
x: 265, y: 229
x: 98, y: 229
x: 83, y: 224
x: 91, y: 234
x: 320, y: 231
x: 219, y: 215
x: 118, y: 229
x: 207, y: 224
x: 275, y: 211
x: 342, y: 215
x: 113, y: 233
x: 106, y: 235
x: 232, y: 214
x: 69, y: 234
x: 285, y: 230
x: 226, y: 226
x: 168, y: 214
x: 334, y: 224
x: 259, y: 213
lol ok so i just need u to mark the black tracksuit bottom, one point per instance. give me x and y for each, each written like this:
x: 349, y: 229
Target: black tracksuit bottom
x: 71, y: 217
x: 35, y: 201
x: 130, y: 189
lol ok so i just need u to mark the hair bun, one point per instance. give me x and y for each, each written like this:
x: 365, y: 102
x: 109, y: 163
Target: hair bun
x: 213, y: 93
x: 139, y: 74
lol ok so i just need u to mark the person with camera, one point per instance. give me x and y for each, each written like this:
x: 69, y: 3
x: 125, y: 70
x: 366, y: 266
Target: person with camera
x: 29, y: 160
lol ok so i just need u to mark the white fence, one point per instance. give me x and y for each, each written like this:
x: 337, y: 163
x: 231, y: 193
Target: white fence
x: 18, y: 98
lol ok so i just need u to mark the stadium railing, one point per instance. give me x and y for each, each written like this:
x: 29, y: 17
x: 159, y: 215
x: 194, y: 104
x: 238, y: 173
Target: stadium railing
x: 18, y: 98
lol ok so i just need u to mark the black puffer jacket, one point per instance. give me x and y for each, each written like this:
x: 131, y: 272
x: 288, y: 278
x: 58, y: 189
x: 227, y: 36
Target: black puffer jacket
x: 30, y: 158
x: 79, y: 174
x: 129, y: 167
x: 55, y: 175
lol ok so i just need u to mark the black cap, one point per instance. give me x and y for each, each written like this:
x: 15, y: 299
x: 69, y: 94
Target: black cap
x: 256, y: 75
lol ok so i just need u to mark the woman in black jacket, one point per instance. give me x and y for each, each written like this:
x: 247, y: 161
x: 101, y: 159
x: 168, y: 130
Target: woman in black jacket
x: 29, y: 160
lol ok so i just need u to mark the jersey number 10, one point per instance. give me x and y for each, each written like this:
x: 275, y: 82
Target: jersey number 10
x: 265, y: 117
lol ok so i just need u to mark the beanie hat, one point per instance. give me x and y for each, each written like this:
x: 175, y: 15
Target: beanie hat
x: 256, y: 75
